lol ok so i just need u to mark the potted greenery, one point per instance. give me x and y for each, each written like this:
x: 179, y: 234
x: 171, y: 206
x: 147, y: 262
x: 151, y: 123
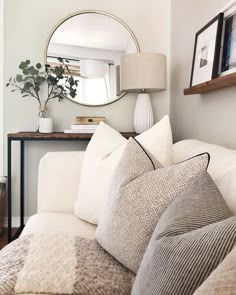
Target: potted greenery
x: 57, y: 80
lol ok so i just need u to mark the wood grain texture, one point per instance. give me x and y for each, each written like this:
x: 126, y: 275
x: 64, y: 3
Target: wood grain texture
x: 57, y: 136
x: 218, y: 83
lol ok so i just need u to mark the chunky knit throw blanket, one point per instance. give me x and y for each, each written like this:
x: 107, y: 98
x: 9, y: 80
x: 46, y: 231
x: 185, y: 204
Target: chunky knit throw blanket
x: 61, y: 264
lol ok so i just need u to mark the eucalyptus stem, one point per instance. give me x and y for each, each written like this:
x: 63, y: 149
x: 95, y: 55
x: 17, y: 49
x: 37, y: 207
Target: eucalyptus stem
x: 27, y: 91
x: 33, y: 78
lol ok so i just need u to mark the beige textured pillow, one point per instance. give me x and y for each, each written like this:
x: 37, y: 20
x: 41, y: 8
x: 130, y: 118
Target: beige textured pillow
x: 223, y: 280
x: 138, y: 197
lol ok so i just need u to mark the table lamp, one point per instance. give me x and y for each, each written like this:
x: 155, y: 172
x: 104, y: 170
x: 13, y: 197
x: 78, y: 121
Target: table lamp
x: 143, y: 72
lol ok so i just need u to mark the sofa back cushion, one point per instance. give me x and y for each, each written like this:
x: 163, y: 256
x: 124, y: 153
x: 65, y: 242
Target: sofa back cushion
x: 222, y: 167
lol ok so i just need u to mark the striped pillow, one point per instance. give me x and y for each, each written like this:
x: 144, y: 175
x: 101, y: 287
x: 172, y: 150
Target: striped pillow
x: 222, y: 280
x: 192, y: 237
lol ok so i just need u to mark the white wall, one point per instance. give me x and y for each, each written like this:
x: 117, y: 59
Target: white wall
x: 209, y: 117
x: 28, y: 25
x: 1, y: 82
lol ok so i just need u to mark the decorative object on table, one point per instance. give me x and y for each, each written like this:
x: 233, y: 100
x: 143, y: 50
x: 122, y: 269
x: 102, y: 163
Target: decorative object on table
x: 89, y: 120
x: 143, y: 72
x: 45, y: 125
x: 85, y: 124
x: 3, y: 181
x: 82, y: 129
x: 205, y: 65
x: 34, y: 79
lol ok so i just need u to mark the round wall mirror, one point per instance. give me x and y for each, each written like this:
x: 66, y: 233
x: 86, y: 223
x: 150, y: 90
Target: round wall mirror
x: 92, y: 42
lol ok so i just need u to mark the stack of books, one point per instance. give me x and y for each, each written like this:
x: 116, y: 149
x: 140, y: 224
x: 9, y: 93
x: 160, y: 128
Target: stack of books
x: 85, y: 124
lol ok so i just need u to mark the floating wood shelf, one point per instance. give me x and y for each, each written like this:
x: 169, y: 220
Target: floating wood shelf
x: 218, y: 83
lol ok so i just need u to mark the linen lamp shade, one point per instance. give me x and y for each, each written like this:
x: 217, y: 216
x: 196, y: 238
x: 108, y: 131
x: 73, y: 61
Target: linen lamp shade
x: 143, y: 71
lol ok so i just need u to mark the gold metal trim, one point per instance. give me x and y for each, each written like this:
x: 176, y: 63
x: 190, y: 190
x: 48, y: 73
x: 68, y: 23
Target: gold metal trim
x: 97, y: 12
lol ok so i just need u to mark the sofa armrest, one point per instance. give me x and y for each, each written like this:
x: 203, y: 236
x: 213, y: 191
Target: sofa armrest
x: 58, y: 181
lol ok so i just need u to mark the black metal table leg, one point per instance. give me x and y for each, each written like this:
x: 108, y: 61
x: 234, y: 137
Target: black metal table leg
x: 22, y: 183
x: 9, y: 190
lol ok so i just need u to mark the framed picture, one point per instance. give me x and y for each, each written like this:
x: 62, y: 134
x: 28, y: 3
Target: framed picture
x: 207, y: 50
x: 228, y: 55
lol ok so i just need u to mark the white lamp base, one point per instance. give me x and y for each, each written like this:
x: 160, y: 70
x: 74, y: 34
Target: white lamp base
x: 143, y: 114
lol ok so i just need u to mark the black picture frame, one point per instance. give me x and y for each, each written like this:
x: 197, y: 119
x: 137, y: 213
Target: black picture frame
x: 217, y: 50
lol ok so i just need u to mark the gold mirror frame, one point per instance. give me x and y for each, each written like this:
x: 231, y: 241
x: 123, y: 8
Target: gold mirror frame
x: 96, y: 12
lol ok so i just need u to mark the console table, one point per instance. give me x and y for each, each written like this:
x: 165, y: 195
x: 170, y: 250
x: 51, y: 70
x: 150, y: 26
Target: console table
x: 22, y: 137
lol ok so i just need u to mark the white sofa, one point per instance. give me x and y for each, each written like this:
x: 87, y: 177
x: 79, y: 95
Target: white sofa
x: 59, y: 177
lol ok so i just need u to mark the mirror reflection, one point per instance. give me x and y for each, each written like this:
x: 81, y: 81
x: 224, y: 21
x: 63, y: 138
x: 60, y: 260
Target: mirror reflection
x: 93, y: 43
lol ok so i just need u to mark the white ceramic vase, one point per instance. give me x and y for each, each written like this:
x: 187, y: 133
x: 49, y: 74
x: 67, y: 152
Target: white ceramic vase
x: 143, y: 114
x: 45, y: 125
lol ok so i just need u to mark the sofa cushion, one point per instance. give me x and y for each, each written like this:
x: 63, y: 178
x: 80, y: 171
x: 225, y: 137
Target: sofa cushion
x: 222, y: 167
x: 101, y: 158
x: 192, y: 237
x: 60, y: 223
x: 139, y: 195
x: 222, y: 280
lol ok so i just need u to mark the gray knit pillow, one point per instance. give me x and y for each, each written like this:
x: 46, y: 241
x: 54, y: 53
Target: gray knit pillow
x: 139, y: 195
x: 192, y: 237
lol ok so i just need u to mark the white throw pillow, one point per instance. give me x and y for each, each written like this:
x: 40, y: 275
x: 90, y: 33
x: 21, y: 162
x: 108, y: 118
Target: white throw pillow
x: 101, y: 158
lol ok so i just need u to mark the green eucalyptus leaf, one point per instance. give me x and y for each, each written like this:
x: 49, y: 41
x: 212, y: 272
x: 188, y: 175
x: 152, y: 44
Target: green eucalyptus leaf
x: 33, y: 71
x: 27, y: 61
x: 7, y: 84
x: 13, y: 90
x: 54, y: 82
x: 22, y: 65
x: 27, y: 78
x: 60, y: 59
x: 19, y: 78
x: 10, y: 79
x: 28, y: 85
x: 37, y: 88
x: 57, y: 70
x: 73, y: 93
x: 38, y: 65
x: 39, y: 79
x: 26, y: 72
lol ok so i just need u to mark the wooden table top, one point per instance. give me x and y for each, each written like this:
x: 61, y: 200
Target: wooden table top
x: 58, y: 136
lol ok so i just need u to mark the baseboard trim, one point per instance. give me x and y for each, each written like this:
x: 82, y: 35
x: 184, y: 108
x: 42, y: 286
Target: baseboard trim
x: 15, y: 221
